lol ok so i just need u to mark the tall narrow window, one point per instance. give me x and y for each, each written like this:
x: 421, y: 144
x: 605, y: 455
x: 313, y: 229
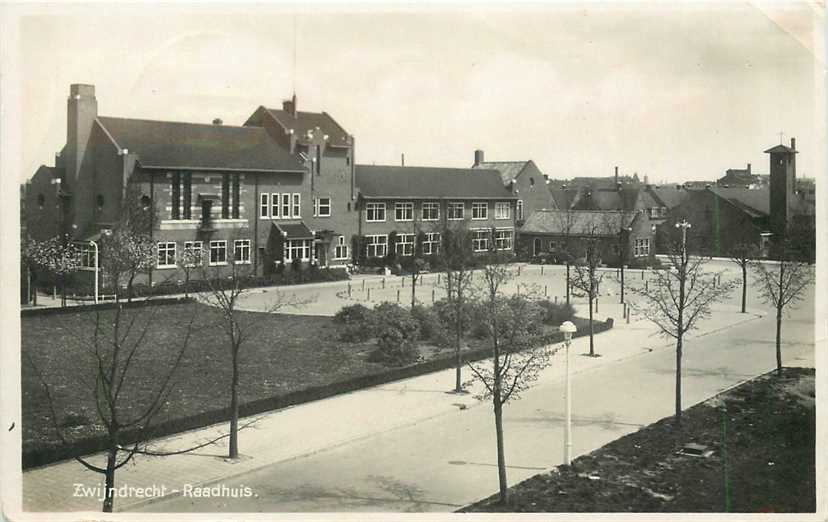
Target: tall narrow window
x: 236, y: 191
x: 175, y: 197
x: 225, y: 196
x: 274, y: 205
x: 264, y: 205
x: 296, y: 206
x: 286, y: 205
x: 187, y: 193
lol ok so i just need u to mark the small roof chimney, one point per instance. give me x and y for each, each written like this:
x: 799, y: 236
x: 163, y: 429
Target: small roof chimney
x: 616, y: 175
x: 289, y: 106
x: 793, y: 143
x: 478, y: 157
x: 402, y: 159
x: 217, y: 121
x: 748, y: 168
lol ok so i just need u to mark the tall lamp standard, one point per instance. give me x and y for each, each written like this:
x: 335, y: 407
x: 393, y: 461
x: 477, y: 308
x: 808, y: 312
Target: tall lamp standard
x: 568, y: 329
x: 683, y: 225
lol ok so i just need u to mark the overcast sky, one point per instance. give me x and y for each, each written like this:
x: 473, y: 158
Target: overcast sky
x: 677, y: 93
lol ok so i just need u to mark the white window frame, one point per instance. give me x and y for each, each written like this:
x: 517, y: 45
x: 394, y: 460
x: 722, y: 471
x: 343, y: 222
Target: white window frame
x: 641, y: 247
x: 476, y: 208
x: 296, y: 206
x: 504, y: 239
x: 452, y: 206
x: 431, y: 243
x: 379, y: 248
x: 480, y: 239
x: 432, y: 206
x: 503, y: 210
x: 285, y: 206
x: 405, y: 244
x: 264, y: 205
x: 318, y: 206
x: 404, y: 208
x: 519, y: 210
x: 242, y: 245
x: 300, y: 246
x: 194, y: 246
x: 274, y: 205
x: 374, y: 207
x: 164, y: 246
x: 341, y: 248
x: 219, y: 245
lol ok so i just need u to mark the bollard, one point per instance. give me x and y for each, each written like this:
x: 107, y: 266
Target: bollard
x: 541, y: 269
x: 628, y: 317
x: 383, y: 283
x: 368, y: 297
x: 363, y: 284
x: 349, y: 289
x: 642, y: 274
x: 596, y: 305
x: 402, y: 282
x: 647, y: 285
x: 432, y: 296
x: 556, y: 299
x: 545, y: 293
x: 398, y: 296
x: 438, y: 278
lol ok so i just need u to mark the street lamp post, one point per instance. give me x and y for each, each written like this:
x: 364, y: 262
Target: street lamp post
x: 683, y: 225
x: 568, y: 329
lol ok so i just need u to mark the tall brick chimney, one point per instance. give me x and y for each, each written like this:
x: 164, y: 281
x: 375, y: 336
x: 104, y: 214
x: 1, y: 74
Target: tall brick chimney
x: 289, y: 106
x: 748, y: 169
x: 478, y: 157
x: 616, y: 176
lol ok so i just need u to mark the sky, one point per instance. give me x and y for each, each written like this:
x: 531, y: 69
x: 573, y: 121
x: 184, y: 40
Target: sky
x: 675, y: 92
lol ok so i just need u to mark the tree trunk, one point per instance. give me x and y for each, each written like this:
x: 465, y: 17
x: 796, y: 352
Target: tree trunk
x: 501, y: 457
x: 622, y: 282
x: 779, y: 341
x: 129, y: 288
x: 234, y: 408
x: 413, y: 290
x: 567, y: 283
x: 109, y: 481
x: 63, y: 290
x: 744, y: 287
x: 591, y: 330
x: 679, y: 347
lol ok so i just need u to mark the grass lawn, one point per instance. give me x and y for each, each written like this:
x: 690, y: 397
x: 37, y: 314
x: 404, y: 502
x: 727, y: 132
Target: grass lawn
x: 770, y: 454
x: 287, y: 354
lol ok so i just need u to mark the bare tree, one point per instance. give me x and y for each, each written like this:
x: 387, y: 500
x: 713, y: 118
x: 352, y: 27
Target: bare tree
x: 568, y: 222
x: 587, y: 276
x: 744, y: 255
x: 112, y: 351
x: 680, y: 298
x: 225, y: 291
x: 188, y: 260
x: 782, y: 285
x: 124, y: 255
x: 512, y: 325
x: 456, y: 261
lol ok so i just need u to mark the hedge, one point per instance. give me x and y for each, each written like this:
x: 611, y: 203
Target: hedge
x: 104, y: 306
x: 46, y: 455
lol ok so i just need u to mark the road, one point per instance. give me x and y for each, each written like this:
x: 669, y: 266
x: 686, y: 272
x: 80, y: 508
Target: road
x: 448, y: 461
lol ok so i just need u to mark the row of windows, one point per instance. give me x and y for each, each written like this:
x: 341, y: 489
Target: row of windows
x: 280, y: 205
x: 193, y: 253
x: 376, y: 245
x: 455, y: 210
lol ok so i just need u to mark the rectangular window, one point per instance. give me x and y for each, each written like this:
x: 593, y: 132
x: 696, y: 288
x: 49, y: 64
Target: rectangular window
x: 520, y: 209
x: 264, y: 205
x: 175, y: 196
x: 480, y: 240
x: 455, y: 209
x: 218, y: 252
x: 192, y: 253
x: 375, y: 212
x: 225, y: 196
x: 298, y: 249
x: 274, y: 205
x: 188, y: 195
x: 241, y: 251
x: 431, y: 211
x: 431, y: 243
x: 166, y: 255
x: 296, y: 206
x: 641, y: 247
x: 503, y: 239
x: 285, y: 206
x: 376, y: 246
x: 236, y: 195
x: 503, y: 210
x: 480, y: 210
x: 87, y: 256
x: 405, y: 244
x: 322, y: 207
x: 341, y: 249
x: 403, y: 211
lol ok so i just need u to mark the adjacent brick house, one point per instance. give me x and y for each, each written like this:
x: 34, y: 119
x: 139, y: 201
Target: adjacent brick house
x: 524, y: 179
x: 407, y: 201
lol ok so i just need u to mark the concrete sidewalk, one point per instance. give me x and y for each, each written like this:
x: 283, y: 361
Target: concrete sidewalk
x: 309, y: 428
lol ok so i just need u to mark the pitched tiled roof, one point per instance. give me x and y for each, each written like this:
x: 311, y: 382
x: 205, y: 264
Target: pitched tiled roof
x: 294, y: 230
x: 668, y: 196
x: 564, y: 198
x: 167, y: 144
x: 578, y: 222
x: 781, y: 148
x: 607, y: 199
x: 316, y: 122
x: 756, y: 202
x: 509, y: 170
x: 377, y: 181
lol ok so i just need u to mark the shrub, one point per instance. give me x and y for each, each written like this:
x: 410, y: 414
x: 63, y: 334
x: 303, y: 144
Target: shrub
x: 397, y: 334
x: 445, y: 313
x: 356, y: 323
x: 556, y: 313
x: 429, y: 324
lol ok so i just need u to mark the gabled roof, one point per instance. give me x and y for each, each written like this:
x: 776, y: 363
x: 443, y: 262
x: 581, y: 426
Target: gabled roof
x: 781, y: 148
x: 604, y: 223
x: 380, y: 181
x: 315, y: 122
x: 755, y: 202
x: 294, y: 230
x: 668, y: 196
x: 607, y: 199
x: 509, y: 170
x: 177, y: 145
x: 564, y: 198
